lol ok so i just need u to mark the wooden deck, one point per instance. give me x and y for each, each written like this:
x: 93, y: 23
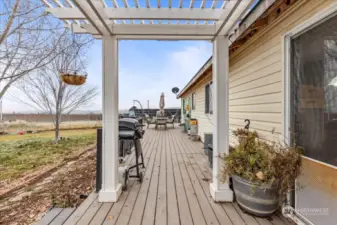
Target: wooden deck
x: 175, y: 191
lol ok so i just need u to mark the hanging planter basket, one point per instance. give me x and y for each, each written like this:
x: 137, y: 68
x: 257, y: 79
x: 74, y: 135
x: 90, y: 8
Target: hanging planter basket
x: 73, y: 79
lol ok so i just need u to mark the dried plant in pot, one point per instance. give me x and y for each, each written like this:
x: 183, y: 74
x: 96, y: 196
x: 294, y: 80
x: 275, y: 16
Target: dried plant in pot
x: 262, y: 173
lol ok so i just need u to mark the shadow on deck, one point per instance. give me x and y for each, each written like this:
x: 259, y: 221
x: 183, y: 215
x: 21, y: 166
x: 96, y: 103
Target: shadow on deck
x: 175, y: 191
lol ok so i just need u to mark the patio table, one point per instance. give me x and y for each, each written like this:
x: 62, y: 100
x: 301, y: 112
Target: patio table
x: 161, y: 121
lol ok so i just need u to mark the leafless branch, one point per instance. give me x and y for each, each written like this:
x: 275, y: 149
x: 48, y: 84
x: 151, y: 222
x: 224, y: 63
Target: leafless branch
x: 45, y: 92
x: 28, y: 40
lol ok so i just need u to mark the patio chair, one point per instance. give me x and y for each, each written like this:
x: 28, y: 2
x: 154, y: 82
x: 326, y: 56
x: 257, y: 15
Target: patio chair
x: 171, y: 121
x: 149, y: 121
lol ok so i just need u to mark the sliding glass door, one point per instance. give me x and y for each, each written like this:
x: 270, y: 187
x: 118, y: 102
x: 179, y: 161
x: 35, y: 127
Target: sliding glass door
x: 314, y: 120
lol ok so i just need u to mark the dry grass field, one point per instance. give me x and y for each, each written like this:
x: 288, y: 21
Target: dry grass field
x: 36, y: 171
x: 21, y: 125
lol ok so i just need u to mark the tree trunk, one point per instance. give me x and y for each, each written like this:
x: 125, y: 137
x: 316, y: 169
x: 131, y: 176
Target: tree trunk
x: 57, y: 127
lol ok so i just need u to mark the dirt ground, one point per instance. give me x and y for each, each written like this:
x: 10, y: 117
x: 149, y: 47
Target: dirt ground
x: 61, y: 188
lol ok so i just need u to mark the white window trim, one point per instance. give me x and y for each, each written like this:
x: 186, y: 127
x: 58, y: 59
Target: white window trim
x: 210, y: 112
x: 314, y: 21
x: 193, y: 101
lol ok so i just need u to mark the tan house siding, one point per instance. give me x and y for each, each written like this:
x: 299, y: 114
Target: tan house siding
x: 256, y: 73
x: 204, y: 120
x: 256, y: 76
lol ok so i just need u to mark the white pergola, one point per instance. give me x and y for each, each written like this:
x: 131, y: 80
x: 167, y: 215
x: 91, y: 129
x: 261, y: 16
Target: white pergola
x: 112, y: 20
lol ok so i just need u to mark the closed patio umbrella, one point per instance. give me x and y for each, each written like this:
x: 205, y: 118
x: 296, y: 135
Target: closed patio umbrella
x: 162, y: 103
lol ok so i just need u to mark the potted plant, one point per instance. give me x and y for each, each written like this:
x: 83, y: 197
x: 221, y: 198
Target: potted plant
x: 262, y: 173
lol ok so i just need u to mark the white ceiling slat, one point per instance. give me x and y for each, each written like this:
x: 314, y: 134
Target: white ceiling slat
x: 47, y: 3
x: 126, y: 4
x: 214, y: 4
x: 224, y: 4
x: 180, y: 3
x: 191, y: 4
x: 137, y: 6
x: 201, y: 6
x: 115, y: 5
x: 191, y: 7
x: 148, y: 5
x: 144, y: 13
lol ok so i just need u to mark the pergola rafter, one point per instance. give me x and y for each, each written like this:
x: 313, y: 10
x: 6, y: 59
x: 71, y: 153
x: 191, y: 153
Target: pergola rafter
x: 150, y: 17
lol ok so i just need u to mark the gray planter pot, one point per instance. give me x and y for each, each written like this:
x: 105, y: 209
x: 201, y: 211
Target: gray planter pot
x: 259, y: 200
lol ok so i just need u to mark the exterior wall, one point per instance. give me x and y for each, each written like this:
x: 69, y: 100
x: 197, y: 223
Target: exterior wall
x: 256, y: 77
x: 204, y: 120
x: 257, y: 93
x: 256, y: 73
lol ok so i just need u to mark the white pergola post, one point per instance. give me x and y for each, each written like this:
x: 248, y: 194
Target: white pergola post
x: 220, y: 191
x: 111, y: 189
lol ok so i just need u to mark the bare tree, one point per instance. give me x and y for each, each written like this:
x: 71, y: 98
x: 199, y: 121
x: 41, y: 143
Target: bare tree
x: 28, y: 37
x: 44, y: 90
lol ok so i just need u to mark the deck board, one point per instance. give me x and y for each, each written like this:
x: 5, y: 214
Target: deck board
x: 172, y: 202
x: 50, y: 216
x: 175, y: 191
x: 161, y: 206
x: 63, y: 216
x: 205, y: 181
x: 196, y: 212
x: 183, y: 205
x: 129, y: 204
x: 206, y: 208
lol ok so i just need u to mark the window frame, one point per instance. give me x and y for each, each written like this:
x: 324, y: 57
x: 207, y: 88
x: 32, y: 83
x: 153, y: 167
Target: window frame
x: 193, y: 102
x: 287, y: 38
x: 208, y: 98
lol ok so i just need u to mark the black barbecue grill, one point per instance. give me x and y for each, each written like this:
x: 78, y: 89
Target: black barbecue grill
x: 130, y: 133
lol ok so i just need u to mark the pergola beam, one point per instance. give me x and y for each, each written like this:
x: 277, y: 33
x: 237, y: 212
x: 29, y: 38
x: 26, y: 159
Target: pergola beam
x: 94, y: 7
x: 149, y: 29
x: 159, y: 37
x: 225, y: 26
x: 84, y: 8
x: 142, y: 13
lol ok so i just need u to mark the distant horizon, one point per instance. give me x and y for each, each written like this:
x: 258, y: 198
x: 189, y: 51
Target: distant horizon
x: 84, y: 111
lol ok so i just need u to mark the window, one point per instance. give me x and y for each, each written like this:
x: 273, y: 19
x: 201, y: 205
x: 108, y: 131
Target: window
x: 193, y: 101
x: 314, y: 91
x: 208, y: 98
